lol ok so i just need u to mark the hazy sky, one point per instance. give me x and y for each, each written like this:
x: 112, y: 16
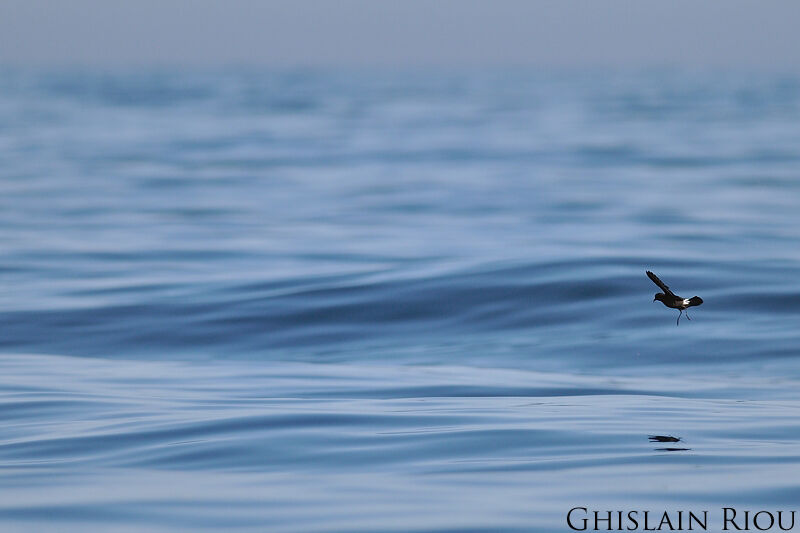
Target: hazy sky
x: 693, y: 33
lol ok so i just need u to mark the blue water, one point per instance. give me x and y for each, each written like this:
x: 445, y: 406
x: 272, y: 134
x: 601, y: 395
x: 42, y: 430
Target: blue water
x: 367, y: 301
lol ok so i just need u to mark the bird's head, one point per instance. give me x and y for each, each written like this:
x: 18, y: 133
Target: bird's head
x: 659, y: 296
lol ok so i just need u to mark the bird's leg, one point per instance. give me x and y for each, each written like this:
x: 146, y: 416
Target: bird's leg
x: 687, y: 315
x: 678, y: 322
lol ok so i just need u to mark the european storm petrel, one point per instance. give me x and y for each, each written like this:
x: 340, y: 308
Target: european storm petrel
x: 669, y: 298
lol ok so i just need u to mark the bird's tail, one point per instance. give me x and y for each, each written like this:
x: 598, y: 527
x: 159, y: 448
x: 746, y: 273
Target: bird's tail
x: 695, y: 300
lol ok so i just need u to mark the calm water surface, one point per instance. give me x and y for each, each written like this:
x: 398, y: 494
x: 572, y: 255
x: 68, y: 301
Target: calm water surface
x: 412, y: 302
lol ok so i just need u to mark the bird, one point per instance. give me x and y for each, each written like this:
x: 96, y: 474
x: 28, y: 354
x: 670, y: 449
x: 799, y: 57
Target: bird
x: 670, y: 299
x: 664, y: 438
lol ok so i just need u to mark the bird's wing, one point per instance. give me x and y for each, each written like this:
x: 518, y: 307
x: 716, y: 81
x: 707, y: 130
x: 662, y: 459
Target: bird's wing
x: 661, y: 284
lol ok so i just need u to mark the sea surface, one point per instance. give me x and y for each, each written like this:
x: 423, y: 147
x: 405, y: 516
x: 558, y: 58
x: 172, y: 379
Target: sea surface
x: 376, y: 301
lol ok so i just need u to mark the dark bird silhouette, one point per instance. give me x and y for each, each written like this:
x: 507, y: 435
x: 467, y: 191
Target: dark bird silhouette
x: 670, y: 299
x: 664, y: 438
x: 668, y: 438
